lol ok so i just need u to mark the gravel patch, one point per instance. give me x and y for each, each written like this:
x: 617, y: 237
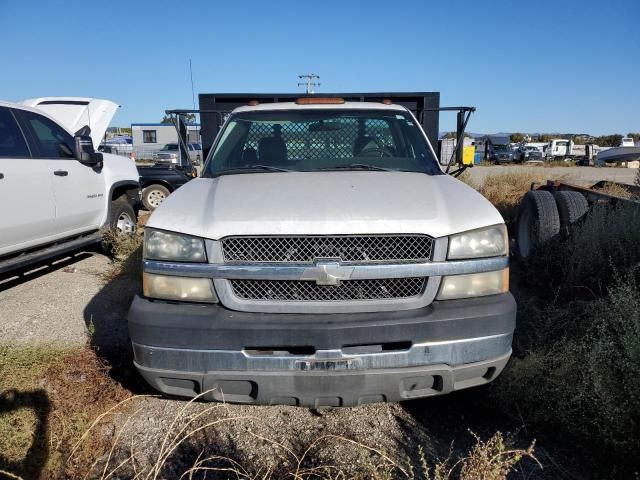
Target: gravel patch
x: 278, y: 438
x: 47, y: 304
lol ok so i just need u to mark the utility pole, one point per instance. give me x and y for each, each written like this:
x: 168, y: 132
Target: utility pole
x: 193, y: 94
x: 309, y: 82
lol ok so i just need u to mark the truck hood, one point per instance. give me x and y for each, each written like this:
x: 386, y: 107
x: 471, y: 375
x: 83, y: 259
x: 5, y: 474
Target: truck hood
x: 323, y: 203
x: 73, y: 113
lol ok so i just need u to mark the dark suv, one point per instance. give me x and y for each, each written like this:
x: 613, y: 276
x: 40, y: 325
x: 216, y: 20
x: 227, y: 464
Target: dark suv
x: 501, y: 154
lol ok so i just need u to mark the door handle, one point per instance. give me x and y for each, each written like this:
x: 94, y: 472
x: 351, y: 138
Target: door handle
x: 61, y: 173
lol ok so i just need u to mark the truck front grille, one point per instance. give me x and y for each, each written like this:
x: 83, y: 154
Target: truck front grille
x: 306, y: 249
x: 308, y: 291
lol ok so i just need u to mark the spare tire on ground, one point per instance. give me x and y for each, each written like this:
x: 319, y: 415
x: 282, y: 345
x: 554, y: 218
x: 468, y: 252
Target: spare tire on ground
x: 538, y: 221
x: 571, y: 207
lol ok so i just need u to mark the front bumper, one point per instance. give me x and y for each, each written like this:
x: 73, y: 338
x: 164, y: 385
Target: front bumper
x: 320, y: 360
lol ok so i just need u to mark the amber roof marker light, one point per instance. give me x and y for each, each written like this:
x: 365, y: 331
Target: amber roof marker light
x: 253, y: 103
x: 387, y: 101
x: 320, y: 101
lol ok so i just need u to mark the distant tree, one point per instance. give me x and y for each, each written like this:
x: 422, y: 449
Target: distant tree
x: 516, y: 137
x: 635, y: 136
x: 169, y: 119
x: 608, y: 140
x: 453, y: 135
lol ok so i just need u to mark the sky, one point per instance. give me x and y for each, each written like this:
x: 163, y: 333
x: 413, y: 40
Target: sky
x: 528, y: 66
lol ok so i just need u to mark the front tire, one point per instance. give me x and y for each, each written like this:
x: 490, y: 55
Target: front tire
x: 122, y: 221
x: 153, y: 196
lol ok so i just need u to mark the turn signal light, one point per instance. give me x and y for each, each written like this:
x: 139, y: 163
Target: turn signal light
x: 320, y: 101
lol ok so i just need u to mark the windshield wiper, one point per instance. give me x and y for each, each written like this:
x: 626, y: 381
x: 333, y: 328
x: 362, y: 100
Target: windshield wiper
x: 358, y: 166
x: 253, y: 168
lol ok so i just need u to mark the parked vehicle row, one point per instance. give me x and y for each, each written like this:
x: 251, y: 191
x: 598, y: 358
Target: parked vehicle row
x: 282, y: 275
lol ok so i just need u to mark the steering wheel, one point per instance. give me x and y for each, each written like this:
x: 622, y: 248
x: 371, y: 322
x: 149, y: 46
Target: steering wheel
x: 374, y: 151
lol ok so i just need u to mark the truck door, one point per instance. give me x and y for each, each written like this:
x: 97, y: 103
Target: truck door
x: 78, y: 189
x: 27, y: 210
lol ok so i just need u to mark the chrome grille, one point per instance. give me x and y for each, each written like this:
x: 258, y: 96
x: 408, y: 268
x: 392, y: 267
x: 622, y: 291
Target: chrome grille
x: 306, y: 249
x: 305, y: 291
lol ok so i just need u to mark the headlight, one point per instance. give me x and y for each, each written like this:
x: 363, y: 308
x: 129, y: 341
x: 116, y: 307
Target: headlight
x: 168, y: 287
x: 474, y: 285
x: 160, y: 245
x: 485, y: 242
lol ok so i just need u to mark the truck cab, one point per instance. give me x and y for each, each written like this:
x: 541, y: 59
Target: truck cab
x: 322, y: 259
x: 558, y: 149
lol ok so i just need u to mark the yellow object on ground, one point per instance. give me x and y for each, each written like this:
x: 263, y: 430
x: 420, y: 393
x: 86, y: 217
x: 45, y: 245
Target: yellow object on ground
x: 467, y: 154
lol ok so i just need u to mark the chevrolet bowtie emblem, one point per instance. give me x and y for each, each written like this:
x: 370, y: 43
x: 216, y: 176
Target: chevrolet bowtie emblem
x: 327, y: 273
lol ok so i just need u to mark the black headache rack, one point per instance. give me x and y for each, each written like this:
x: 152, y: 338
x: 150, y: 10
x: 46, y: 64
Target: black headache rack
x: 214, y: 108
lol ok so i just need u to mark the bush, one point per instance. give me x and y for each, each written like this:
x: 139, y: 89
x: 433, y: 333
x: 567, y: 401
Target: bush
x: 586, y: 386
x: 576, y: 367
x: 615, y: 366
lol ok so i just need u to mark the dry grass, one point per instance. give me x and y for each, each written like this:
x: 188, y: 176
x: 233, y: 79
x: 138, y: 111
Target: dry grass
x: 127, y: 254
x: 48, y: 398
x: 505, y: 190
x: 616, y: 189
x: 492, y: 459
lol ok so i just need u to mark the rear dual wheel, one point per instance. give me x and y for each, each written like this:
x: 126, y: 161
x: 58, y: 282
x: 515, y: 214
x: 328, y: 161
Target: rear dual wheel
x: 542, y: 215
x: 572, y: 206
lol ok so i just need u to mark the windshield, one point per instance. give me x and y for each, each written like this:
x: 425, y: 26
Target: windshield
x: 500, y: 148
x: 170, y: 146
x: 313, y: 140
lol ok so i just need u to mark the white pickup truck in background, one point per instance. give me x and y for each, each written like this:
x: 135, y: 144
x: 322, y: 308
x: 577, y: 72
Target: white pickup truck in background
x: 56, y: 193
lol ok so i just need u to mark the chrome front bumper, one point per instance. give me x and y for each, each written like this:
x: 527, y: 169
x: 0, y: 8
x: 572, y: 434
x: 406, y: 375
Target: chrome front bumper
x: 453, y: 352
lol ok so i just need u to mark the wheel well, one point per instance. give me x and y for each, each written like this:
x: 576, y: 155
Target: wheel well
x: 157, y: 182
x: 129, y: 189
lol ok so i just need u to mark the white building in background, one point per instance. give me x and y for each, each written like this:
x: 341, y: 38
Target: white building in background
x: 148, y: 138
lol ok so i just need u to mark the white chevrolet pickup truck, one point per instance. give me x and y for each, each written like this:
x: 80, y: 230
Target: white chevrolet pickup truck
x: 323, y: 259
x: 56, y: 192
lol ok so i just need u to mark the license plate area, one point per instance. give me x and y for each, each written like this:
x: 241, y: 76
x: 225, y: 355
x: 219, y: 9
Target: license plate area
x: 328, y: 365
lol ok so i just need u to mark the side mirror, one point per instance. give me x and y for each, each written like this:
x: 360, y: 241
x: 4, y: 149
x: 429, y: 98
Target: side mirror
x: 85, y: 152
